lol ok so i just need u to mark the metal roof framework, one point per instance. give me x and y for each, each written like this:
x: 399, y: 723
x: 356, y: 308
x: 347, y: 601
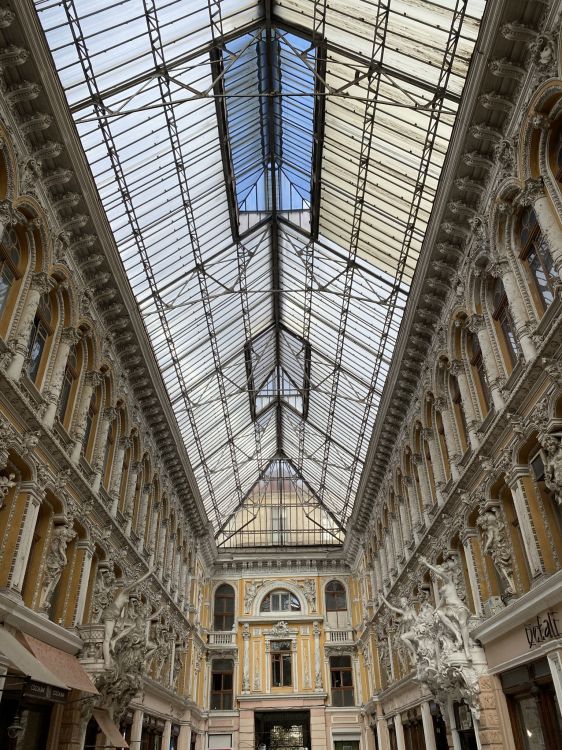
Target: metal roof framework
x: 157, y: 89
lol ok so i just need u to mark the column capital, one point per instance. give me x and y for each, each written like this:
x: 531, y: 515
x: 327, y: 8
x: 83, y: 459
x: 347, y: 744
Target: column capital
x: 109, y: 413
x: 41, y: 282
x: 476, y: 323
x: 457, y: 367
x: 125, y: 443
x: 70, y: 335
x: 94, y: 378
x: 531, y: 192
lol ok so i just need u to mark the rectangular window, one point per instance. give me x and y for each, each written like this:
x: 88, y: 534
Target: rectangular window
x: 222, y: 684
x: 281, y: 671
x: 220, y: 741
x: 341, y: 681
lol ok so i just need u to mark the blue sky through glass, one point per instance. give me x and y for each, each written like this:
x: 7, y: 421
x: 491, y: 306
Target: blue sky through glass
x: 272, y: 104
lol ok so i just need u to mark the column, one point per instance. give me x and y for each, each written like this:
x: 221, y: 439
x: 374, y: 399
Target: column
x: 177, y: 573
x: 184, y: 737
x: 170, y: 558
x: 424, y: 484
x: 400, y: 739
x: 534, y: 195
x: 453, y: 449
x: 40, y: 284
x: 246, y: 659
x: 143, y: 510
x: 162, y: 544
x: 91, y: 380
x: 136, y: 730
x: 117, y: 474
x: 317, y: 668
x: 413, y: 503
x: 555, y: 664
x: 69, y: 337
x: 471, y: 544
x: 513, y: 480
x: 405, y: 520
x: 134, y: 471
x: 87, y: 548
x: 428, y: 435
x: 35, y: 497
x: 390, y: 559
x: 428, y: 730
x: 458, y: 370
x: 477, y: 325
x: 383, y: 736
x: 107, y: 417
x: 518, y: 312
x: 152, y: 540
x: 166, y: 735
x: 398, y: 546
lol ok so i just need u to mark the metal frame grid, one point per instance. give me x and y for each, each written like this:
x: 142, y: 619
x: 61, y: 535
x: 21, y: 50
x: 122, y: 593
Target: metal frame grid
x: 147, y: 83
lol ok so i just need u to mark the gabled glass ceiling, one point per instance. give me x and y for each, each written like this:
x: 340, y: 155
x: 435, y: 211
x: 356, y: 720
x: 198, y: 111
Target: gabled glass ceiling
x: 268, y: 169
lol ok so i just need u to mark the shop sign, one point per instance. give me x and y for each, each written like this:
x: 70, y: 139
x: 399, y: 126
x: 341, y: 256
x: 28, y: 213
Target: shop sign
x: 544, y: 628
x: 44, y: 692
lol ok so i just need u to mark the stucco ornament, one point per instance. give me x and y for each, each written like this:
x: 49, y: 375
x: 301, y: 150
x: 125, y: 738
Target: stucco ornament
x: 112, y: 618
x: 55, y: 562
x: 6, y: 484
x: 250, y: 593
x: 451, y: 611
x: 309, y: 589
x: 406, y: 626
x: 495, y: 544
x: 553, y: 464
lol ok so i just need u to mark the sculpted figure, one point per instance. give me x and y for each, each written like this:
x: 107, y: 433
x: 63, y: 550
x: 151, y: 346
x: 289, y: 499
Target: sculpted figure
x: 105, y: 580
x: 249, y: 596
x: 408, y: 618
x: 56, y: 561
x: 309, y: 588
x: 451, y: 611
x: 112, y: 613
x: 553, y: 465
x: 494, y: 543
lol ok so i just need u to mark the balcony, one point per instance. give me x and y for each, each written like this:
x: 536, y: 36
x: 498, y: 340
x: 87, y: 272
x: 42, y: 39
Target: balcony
x: 222, y: 638
x: 340, y: 636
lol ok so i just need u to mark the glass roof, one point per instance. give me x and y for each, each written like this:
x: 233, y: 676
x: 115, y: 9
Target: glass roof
x: 268, y: 169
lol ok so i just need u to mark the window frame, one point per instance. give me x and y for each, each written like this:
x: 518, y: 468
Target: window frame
x: 525, y: 250
x: 339, y: 691
x: 224, y: 695
x: 292, y: 601
x: 218, y: 597
x: 328, y: 593
x: 282, y: 662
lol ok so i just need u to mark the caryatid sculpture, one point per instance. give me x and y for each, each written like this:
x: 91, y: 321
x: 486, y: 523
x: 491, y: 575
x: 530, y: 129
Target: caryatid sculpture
x: 408, y: 618
x: 112, y: 613
x: 451, y: 611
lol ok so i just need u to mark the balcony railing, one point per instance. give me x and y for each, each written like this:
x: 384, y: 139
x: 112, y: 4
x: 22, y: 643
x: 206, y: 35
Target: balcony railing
x: 222, y: 638
x: 340, y: 636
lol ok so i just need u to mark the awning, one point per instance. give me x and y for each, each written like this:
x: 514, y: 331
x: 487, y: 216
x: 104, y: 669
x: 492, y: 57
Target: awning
x: 109, y: 728
x: 65, y: 666
x: 24, y: 661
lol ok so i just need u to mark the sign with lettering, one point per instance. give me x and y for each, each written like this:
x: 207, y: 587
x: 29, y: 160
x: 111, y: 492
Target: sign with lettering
x: 41, y: 691
x: 543, y: 628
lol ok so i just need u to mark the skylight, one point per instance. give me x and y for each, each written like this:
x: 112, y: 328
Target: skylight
x: 268, y: 169
x: 269, y: 122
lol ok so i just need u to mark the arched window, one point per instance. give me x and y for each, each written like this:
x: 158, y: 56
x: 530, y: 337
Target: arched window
x: 280, y: 601
x: 224, y: 607
x: 336, y: 599
x: 477, y: 364
x: 502, y: 315
x: 40, y: 332
x: 70, y: 376
x: 10, y: 259
x: 535, y: 254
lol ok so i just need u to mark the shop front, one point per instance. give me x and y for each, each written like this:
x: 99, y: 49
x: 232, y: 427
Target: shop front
x: 523, y: 646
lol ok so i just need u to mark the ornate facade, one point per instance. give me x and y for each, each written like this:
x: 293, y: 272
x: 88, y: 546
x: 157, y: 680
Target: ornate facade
x: 438, y: 625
